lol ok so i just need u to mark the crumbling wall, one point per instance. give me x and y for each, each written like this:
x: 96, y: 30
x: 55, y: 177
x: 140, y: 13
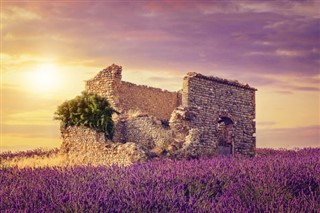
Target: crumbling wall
x: 154, y: 101
x: 125, y: 96
x: 146, y: 131
x: 106, y: 84
x: 180, y: 125
x: 222, y: 112
x: 211, y: 99
x: 82, y: 146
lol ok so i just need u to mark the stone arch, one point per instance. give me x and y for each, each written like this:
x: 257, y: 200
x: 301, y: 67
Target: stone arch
x: 226, y: 114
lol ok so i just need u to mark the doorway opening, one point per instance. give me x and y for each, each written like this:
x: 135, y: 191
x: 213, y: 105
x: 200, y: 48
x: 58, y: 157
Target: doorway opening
x: 225, y: 136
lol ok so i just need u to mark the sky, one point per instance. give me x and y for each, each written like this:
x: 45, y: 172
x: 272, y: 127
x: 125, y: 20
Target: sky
x: 49, y: 48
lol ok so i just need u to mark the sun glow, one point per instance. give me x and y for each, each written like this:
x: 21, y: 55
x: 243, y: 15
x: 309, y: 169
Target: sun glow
x: 44, y: 78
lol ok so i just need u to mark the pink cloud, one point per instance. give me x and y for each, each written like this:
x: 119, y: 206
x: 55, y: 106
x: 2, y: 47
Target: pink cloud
x: 305, y: 136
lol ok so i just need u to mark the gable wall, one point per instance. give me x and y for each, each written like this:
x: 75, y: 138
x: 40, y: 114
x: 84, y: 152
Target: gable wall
x: 208, y: 99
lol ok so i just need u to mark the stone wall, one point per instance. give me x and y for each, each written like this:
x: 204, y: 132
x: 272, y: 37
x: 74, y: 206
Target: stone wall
x: 146, y: 131
x: 125, y: 96
x: 210, y: 116
x: 212, y: 102
x: 83, y: 146
x: 106, y: 84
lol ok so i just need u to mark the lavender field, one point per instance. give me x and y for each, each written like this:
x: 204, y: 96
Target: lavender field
x: 274, y: 181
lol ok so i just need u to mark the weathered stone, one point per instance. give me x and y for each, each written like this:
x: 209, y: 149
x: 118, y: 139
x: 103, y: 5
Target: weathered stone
x: 225, y: 116
x: 125, y: 96
x: 82, y: 146
x: 147, y: 131
x: 193, y: 138
x: 209, y: 116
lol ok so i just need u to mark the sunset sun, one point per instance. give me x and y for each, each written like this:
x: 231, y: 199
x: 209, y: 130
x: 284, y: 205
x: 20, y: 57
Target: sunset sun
x: 44, y: 77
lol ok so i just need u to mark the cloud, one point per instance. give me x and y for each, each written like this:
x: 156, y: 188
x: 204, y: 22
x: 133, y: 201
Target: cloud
x: 301, y: 88
x: 266, y: 123
x: 305, y: 136
x: 21, y: 143
x: 18, y: 13
x: 176, y: 35
x: 32, y: 131
x: 17, y: 100
x: 283, y: 92
x: 288, y: 53
x: 272, y: 45
x: 290, y: 8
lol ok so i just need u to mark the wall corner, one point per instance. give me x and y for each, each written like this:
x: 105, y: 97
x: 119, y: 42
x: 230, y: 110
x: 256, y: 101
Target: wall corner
x: 185, y: 91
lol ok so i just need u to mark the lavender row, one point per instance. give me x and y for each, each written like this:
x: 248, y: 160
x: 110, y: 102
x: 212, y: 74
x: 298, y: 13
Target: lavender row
x: 26, y: 154
x: 281, y: 181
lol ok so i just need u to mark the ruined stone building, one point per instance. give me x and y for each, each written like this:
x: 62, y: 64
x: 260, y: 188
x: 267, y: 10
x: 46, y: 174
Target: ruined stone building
x: 208, y: 116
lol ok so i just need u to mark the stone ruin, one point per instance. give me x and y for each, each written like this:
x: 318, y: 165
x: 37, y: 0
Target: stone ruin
x: 209, y: 116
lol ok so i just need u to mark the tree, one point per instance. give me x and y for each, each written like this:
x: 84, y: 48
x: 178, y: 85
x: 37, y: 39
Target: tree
x: 90, y: 110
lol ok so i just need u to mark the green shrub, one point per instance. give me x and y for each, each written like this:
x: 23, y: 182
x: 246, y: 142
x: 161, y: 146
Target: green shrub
x: 88, y: 110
